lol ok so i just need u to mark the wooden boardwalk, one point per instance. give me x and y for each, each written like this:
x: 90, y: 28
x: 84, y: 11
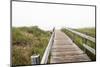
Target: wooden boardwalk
x: 64, y: 50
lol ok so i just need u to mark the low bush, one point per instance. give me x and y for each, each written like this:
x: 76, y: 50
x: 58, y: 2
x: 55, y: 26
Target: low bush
x: 27, y: 41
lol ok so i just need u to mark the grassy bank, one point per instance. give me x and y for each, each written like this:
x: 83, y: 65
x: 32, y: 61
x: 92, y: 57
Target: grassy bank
x: 27, y: 41
x: 79, y: 40
x: 87, y: 31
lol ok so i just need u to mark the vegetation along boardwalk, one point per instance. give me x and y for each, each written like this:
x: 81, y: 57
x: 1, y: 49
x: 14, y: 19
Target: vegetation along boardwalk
x: 64, y: 50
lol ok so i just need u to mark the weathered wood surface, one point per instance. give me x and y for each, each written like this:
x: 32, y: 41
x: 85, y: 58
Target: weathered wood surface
x: 48, y: 48
x: 89, y: 48
x: 64, y: 50
x: 82, y: 35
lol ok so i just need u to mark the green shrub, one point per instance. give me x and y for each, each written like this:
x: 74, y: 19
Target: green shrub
x: 27, y: 41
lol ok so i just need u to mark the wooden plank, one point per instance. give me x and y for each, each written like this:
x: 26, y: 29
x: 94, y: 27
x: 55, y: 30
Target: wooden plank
x: 64, y: 50
x: 47, y: 51
x: 89, y: 48
x: 82, y: 35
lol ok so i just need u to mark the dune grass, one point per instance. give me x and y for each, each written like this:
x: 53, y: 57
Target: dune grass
x: 79, y: 40
x: 27, y: 41
x: 87, y: 31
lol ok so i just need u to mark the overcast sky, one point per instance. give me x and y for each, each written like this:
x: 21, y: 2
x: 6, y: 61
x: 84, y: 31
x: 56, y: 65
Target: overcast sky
x: 47, y: 16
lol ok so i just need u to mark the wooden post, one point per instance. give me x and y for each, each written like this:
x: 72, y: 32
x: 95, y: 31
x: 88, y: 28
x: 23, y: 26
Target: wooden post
x: 35, y: 59
x: 84, y: 41
x: 73, y: 37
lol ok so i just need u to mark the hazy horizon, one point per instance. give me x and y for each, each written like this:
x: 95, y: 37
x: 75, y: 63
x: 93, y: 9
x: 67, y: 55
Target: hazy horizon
x: 47, y: 16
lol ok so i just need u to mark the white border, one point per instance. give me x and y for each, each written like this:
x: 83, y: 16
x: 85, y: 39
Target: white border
x: 5, y: 34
